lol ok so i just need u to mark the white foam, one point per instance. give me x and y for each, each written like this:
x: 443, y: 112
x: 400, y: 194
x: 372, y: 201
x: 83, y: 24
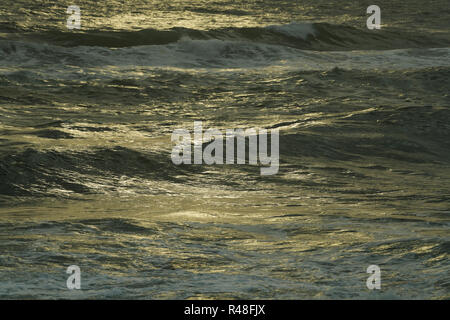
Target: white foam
x: 295, y: 30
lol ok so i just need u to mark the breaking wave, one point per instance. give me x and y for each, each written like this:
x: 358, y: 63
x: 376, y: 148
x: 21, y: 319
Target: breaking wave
x: 312, y: 36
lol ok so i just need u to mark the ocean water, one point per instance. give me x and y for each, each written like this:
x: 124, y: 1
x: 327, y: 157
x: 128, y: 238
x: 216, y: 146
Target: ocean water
x: 86, y: 178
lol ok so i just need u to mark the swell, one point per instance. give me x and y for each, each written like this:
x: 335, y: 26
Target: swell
x: 408, y: 136
x: 62, y: 173
x: 311, y: 36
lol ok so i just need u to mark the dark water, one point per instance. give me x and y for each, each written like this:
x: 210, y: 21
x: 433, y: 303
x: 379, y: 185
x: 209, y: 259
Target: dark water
x: 85, y: 171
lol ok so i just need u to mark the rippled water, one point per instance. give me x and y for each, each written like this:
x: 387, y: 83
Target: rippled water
x: 86, y: 177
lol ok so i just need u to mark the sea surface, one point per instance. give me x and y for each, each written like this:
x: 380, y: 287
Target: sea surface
x: 86, y: 178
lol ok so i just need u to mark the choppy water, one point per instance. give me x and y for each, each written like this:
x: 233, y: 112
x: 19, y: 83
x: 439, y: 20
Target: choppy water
x: 86, y: 177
